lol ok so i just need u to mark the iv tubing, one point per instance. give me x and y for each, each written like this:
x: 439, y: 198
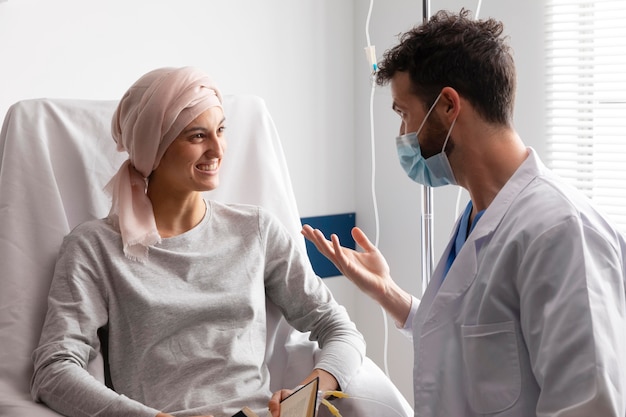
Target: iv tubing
x: 372, y: 59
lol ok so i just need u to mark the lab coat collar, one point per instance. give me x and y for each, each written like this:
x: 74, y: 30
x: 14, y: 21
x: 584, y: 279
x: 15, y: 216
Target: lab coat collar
x: 521, y: 178
x: 441, y: 292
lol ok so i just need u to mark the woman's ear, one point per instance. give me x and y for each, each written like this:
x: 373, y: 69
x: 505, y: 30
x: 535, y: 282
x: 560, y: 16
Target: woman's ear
x: 451, y: 103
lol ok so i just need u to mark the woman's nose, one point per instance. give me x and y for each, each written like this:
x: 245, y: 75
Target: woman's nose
x: 216, y: 145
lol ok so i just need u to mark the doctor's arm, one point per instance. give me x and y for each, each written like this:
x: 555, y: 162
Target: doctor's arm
x: 368, y: 270
x: 573, y: 320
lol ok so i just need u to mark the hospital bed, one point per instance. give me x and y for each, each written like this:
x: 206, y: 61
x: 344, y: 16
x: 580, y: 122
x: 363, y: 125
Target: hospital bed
x: 55, y: 158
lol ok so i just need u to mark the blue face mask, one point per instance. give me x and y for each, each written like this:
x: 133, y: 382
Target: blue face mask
x: 432, y: 172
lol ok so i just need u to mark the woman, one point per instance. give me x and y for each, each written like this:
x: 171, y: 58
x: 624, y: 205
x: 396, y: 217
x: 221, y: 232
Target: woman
x: 178, y: 283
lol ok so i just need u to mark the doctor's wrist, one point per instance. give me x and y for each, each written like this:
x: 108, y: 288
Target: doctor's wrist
x: 397, y: 303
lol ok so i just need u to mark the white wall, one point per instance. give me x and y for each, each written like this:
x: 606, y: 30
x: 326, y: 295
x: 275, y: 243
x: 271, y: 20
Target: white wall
x: 293, y: 54
x: 399, y: 199
x: 305, y: 58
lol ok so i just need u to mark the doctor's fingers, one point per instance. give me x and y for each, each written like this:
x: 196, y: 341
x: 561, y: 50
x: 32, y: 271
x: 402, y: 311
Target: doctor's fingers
x: 319, y: 240
x: 330, y: 249
x: 366, y: 269
x: 361, y: 239
x: 322, y: 243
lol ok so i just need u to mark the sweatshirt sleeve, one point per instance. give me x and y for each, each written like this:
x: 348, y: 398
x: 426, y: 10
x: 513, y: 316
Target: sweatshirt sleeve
x: 69, y: 340
x: 307, y: 303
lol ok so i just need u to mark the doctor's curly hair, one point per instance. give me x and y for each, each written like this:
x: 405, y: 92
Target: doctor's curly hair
x: 454, y: 50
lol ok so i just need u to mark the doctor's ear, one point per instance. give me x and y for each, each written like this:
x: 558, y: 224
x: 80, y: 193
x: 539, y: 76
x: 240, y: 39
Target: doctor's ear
x: 452, y: 102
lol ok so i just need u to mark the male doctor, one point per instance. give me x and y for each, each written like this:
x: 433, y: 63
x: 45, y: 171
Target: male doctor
x: 525, y: 313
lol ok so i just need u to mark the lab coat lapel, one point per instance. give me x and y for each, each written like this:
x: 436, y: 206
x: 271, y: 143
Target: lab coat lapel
x: 488, y: 223
x: 438, y: 294
x: 442, y: 292
x: 460, y: 276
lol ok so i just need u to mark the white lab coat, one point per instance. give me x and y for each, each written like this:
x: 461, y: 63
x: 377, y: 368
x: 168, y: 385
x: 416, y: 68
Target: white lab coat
x: 531, y: 318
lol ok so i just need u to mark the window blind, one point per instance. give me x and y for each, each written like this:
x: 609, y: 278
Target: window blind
x: 586, y: 99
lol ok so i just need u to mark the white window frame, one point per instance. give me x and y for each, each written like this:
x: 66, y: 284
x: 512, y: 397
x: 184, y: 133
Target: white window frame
x: 586, y: 99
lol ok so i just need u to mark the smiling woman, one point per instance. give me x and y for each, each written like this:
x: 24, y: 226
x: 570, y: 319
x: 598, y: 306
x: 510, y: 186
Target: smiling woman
x: 149, y: 118
x: 189, y: 166
x: 180, y: 283
x: 194, y: 157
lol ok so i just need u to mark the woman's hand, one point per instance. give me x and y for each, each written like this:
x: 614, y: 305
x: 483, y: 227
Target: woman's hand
x: 274, y: 403
x: 327, y: 382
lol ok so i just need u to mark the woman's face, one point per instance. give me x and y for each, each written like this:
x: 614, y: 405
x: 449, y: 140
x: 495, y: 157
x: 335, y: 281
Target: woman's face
x: 192, y: 162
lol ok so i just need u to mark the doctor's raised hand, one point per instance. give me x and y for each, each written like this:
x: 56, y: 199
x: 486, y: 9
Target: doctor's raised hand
x: 368, y: 269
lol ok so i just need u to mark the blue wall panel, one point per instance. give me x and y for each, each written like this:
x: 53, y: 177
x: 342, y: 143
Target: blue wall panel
x: 339, y: 224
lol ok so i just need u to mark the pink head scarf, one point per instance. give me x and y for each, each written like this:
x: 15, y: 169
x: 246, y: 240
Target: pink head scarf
x: 152, y: 113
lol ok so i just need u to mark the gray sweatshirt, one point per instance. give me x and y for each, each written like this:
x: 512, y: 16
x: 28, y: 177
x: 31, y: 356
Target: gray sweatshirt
x: 186, y: 329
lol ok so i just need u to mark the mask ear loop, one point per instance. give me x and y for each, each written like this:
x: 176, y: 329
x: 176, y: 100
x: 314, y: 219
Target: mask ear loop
x: 428, y: 114
x: 448, y: 135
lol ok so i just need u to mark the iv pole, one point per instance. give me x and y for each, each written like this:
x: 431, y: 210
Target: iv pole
x: 427, y: 208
